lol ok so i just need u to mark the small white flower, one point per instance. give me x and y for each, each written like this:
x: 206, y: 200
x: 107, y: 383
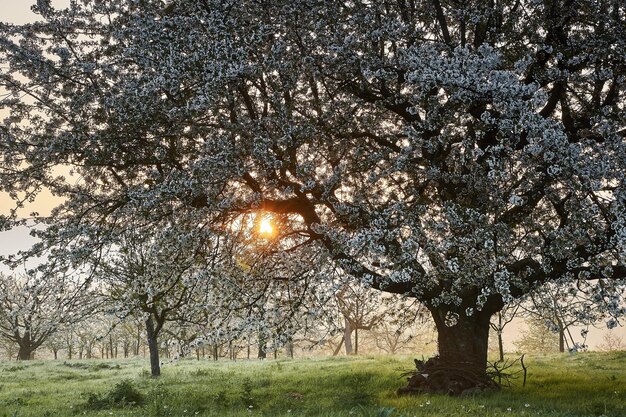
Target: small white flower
x: 516, y: 200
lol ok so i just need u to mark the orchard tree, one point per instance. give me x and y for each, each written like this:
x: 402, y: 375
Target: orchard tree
x: 33, y: 308
x: 499, y: 321
x: 538, y: 337
x: 562, y: 308
x: 159, y: 277
x: 268, y: 285
x: 361, y: 310
x: 461, y: 153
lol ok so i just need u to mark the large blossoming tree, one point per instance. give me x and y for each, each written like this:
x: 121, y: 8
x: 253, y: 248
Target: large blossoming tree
x: 462, y: 153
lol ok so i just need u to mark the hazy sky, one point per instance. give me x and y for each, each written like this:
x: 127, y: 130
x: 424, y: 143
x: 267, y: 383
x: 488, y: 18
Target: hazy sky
x: 18, y: 11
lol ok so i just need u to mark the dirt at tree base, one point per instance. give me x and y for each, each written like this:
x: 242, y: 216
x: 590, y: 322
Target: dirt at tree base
x: 452, y: 378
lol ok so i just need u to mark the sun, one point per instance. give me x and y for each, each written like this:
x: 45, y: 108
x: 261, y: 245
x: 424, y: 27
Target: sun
x: 265, y: 227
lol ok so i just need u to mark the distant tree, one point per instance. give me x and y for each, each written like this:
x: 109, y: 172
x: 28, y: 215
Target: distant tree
x: 9, y: 348
x: 33, y: 307
x: 157, y: 278
x: 499, y: 321
x: 612, y: 342
x: 360, y: 309
x: 537, y: 338
x: 55, y: 343
x: 562, y: 307
x: 405, y: 336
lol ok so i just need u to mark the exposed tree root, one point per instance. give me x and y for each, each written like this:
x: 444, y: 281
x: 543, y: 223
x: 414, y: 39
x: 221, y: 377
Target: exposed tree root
x: 452, y: 378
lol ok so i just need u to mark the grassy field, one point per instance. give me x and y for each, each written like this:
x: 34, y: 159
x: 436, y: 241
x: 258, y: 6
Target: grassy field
x: 587, y: 384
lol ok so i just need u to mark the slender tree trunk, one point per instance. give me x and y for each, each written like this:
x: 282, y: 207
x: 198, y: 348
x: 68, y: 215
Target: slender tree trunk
x: 215, y: 349
x: 138, y: 340
x: 356, y: 340
x: 262, y: 353
x: 561, y: 340
x: 56, y: 353
x: 347, y: 337
x: 500, y: 346
x: 462, y: 361
x: 499, y: 334
x: 153, y: 346
x: 338, y: 348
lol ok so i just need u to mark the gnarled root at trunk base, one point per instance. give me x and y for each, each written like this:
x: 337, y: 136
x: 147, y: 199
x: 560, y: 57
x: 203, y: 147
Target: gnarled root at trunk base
x: 452, y: 378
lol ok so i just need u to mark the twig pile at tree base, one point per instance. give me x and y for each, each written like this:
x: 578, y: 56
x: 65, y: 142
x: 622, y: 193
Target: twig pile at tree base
x: 458, y: 378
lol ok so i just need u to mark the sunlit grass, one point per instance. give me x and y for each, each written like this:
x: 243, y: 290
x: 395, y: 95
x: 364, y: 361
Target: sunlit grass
x: 588, y: 384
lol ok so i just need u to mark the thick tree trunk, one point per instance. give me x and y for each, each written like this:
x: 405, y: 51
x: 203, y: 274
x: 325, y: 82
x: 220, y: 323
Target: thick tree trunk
x: 153, y: 346
x: 26, y: 349
x: 461, y: 365
x: 25, y: 353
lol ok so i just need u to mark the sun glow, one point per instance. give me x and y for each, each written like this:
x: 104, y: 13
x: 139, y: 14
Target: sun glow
x: 265, y: 227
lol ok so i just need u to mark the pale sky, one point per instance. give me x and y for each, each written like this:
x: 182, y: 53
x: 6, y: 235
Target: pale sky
x: 18, y: 11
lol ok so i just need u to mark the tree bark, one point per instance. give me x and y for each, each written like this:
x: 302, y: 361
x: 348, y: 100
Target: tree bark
x: 25, y: 353
x: 289, y: 348
x: 461, y: 366
x: 153, y: 346
x: 500, y: 346
x: 347, y: 337
x: 262, y: 352
x: 561, y: 340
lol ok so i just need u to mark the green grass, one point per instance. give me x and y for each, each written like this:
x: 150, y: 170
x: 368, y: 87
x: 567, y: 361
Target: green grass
x: 588, y: 384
